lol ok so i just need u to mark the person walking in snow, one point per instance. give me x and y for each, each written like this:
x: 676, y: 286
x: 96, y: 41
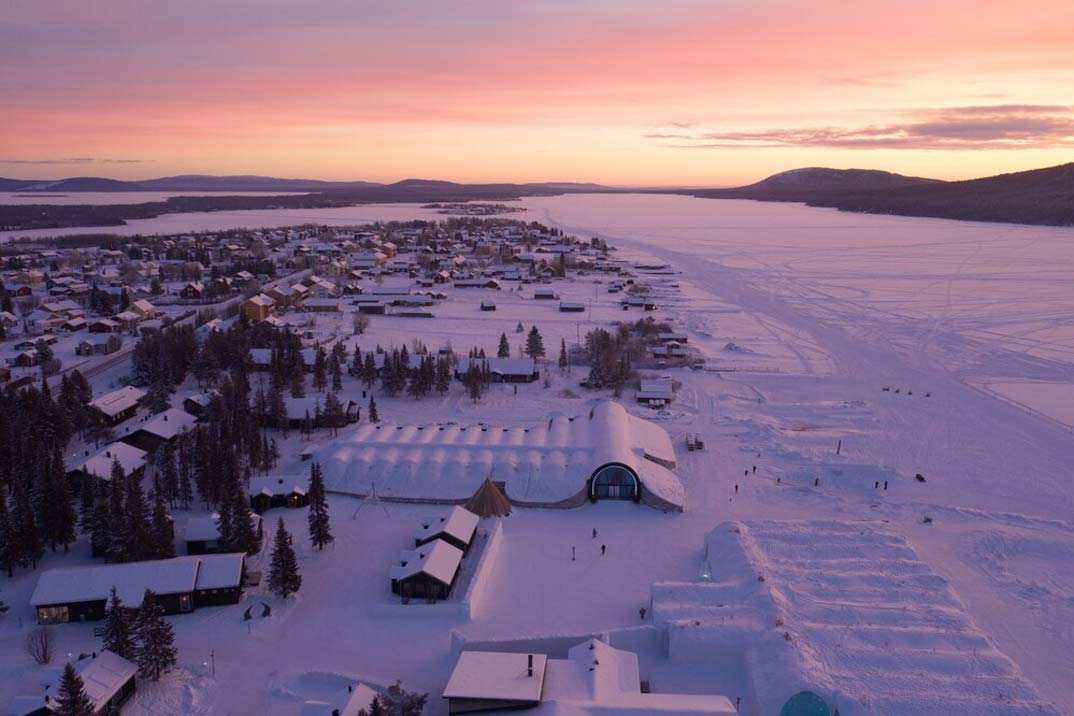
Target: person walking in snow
x: 603, y: 548
x: 736, y: 489
x: 594, y: 533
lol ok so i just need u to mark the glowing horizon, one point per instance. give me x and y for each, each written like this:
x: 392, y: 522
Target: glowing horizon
x: 620, y: 92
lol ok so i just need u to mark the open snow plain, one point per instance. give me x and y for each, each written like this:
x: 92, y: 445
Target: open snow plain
x: 843, y: 352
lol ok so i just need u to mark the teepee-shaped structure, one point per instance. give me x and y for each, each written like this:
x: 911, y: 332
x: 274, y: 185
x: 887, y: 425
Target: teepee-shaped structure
x: 489, y: 501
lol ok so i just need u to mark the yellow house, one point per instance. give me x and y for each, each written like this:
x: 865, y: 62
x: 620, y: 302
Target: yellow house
x: 258, y: 308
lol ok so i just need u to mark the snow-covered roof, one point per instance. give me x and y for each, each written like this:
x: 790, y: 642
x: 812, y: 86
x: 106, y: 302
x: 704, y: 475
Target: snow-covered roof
x: 207, y: 528
x: 547, y: 462
x: 102, y: 677
x: 218, y: 571
x: 261, y: 300
x: 500, y: 366
x: 438, y: 559
x: 82, y: 584
x: 277, y: 486
x: 130, y: 459
x: 347, y: 702
x: 499, y: 676
x: 170, y: 423
x: 111, y: 404
x: 460, y: 523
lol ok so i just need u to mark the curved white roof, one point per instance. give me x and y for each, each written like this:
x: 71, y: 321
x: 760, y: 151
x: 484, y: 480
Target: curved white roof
x: 547, y: 462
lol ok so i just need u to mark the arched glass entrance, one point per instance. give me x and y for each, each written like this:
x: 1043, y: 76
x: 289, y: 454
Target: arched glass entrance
x: 614, y: 482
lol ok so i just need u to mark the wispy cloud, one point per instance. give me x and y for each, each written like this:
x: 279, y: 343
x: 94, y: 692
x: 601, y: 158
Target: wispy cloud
x: 1004, y: 126
x: 74, y: 160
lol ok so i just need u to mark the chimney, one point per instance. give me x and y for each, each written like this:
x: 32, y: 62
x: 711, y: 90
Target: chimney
x: 529, y: 665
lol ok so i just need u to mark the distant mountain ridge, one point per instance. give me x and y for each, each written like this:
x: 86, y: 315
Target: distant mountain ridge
x: 1038, y: 196
x: 246, y: 183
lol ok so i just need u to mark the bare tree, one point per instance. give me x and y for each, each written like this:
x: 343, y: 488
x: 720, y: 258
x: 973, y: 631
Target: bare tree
x: 39, y: 644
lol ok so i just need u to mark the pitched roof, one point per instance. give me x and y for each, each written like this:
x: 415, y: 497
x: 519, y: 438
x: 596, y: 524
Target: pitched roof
x: 100, y: 465
x: 438, y: 559
x: 499, y: 676
x: 460, y: 523
x: 170, y: 423
x: 103, y: 675
x: 111, y: 404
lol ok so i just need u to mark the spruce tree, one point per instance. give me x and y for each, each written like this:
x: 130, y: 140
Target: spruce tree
x: 244, y: 539
x: 136, y: 535
x: 283, y: 578
x: 370, y: 372
x: 335, y: 368
x: 155, y: 653
x: 161, y: 536
x: 58, y: 517
x: 28, y: 538
x: 117, y: 543
x: 10, y: 549
x: 87, y: 501
x: 320, y: 376
x: 71, y: 698
x: 117, y: 636
x: 320, y: 530
x: 564, y: 361
x: 534, y: 344
x: 374, y: 417
x: 443, y: 376
x: 101, y: 529
x: 504, y: 351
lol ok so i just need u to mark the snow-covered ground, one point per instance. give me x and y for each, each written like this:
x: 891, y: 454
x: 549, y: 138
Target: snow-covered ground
x: 844, y: 354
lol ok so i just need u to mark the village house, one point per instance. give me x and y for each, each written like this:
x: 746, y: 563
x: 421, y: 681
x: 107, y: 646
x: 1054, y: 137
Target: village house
x: 115, y: 407
x: 181, y: 584
x: 162, y: 428
x: 131, y: 459
x: 502, y: 370
x: 427, y: 572
x: 595, y: 679
x: 107, y: 678
x: 202, y: 534
x: 258, y: 308
x: 655, y: 391
x: 99, y: 344
x: 267, y: 493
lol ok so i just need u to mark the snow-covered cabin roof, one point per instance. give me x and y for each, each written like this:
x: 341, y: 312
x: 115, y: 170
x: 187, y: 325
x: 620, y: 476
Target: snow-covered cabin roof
x: 347, y: 702
x: 114, y: 403
x: 460, y: 523
x: 170, y: 423
x: 438, y: 559
x: 547, y: 462
x: 82, y: 584
x: 103, y: 675
x: 219, y: 571
x: 500, y: 366
x: 130, y: 459
x: 496, y: 676
x: 207, y: 528
x: 277, y: 486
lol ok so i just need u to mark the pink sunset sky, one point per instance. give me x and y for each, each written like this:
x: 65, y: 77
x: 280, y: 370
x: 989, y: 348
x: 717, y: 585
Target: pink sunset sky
x: 625, y: 92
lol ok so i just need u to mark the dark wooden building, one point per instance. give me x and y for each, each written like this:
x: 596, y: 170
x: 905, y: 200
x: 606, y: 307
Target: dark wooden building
x: 428, y: 572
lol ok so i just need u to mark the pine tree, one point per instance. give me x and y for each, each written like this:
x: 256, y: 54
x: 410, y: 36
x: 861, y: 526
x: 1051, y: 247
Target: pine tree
x: 334, y: 417
x: 443, y: 376
x: 10, y: 549
x: 169, y: 474
x: 58, y: 517
x: 369, y: 373
x: 397, y: 701
x: 161, y: 536
x: 155, y: 653
x: 320, y: 530
x: 320, y: 376
x: 504, y: 351
x: 136, y: 534
x: 534, y: 344
x: 335, y: 369
x: 564, y: 361
x: 117, y: 544
x: 374, y: 417
x: 284, y: 578
x: 87, y: 501
x: 244, y: 539
x: 100, y: 529
x: 71, y: 698
x: 117, y: 634
x: 28, y: 538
